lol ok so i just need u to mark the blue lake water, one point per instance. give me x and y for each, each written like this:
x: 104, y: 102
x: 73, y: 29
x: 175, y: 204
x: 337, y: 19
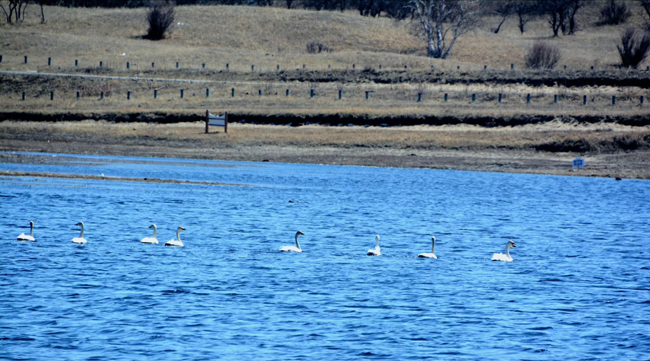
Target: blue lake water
x: 579, y: 286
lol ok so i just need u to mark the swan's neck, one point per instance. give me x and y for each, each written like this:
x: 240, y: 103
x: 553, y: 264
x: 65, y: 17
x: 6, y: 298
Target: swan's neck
x: 31, y: 229
x: 178, y: 235
x: 508, y: 249
x: 154, y: 231
x: 377, y: 246
x: 81, y: 235
x: 297, y: 243
x: 433, y: 246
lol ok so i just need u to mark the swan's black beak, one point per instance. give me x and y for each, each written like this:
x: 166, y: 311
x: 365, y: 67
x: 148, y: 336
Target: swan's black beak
x: 513, y: 245
x: 300, y: 233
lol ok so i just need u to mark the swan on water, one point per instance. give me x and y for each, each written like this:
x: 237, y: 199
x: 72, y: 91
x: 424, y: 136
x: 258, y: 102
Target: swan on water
x: 176, y: 242
x: 80, y: 239
x: 30, y: 237
x: 377, y: 250
x: 151, y: 240
x: 504, y: 257
x: 433, y: 247
x: 295, y: 248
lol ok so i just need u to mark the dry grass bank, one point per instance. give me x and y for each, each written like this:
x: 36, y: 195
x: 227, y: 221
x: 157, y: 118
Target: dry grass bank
x: 266, y: 37
x: 610, y: 150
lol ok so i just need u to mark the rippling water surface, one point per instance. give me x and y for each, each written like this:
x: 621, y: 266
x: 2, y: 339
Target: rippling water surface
x: 579, y: 287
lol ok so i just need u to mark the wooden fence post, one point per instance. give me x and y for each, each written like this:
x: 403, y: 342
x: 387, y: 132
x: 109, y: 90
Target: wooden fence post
x: 207, y: 92
x: 153, y: 64
x: 340, y: 93
x: 232, y: 92
x: 225, y: 122
x: 446, y: 96
x: 555, y: 99
x: 311, y: 93
x: 25, y: 59
x: 177, y: 65
x: 584, y: 100
x: 613, y: 99
x: 473, y: 97
x: 76, y: 62
x: 155, y: 93
x: 128, y: 95
x: 528, y: 98
x: 52, y: 95
x: 182, y: 93
x: 500, y: 97
x: 128, y: 66
x: 286, y: 94
x: 207, y: 120
x: 419, y: 97
x: 24, y: 97
x: 367, y: 94
x: 101, y: 64
x: 641, y: 99
x: 49, y: 61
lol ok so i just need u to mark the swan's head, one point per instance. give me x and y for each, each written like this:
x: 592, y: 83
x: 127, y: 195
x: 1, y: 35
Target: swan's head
x: 80, y: 224
x: 31, y: 223
x: 299, y: 233
x: 153, y: 226
x: 511, y: 243
x: 377, y: 238
x: 433, y: 238
x: 180, y: 229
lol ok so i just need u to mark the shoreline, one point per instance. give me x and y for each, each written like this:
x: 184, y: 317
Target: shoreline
x: 610, y: 150
x: 601, y: 166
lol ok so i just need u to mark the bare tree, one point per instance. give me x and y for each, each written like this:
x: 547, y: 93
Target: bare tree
x: 561, y: 14
x: 503, y: 8
x: 633, y: 48
x: 15, y: 10
x: 442, y: 22
x: 523, y: 10
x: 572, y: 10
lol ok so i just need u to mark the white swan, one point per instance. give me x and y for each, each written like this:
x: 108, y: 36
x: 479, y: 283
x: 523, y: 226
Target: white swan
x: 80, y: 239
x: 176, y: 242
x: 504, y: 257
x: 377, y: 250
x: 295, y: 248
x: 151, y: 240
x: 433, y: 247
x: 24, y: 237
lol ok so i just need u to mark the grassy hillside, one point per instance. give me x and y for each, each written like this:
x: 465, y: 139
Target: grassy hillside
x: 396, y: 68
x: 242, y: 36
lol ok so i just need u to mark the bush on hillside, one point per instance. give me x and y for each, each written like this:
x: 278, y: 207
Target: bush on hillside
x: 160, y: 18
x: 634, y: 47
x: 543, y: 56
x: 315, y: 48
x: 614, y: 14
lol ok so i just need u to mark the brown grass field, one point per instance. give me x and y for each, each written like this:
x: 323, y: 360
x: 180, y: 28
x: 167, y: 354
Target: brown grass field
x: 375, y: 55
